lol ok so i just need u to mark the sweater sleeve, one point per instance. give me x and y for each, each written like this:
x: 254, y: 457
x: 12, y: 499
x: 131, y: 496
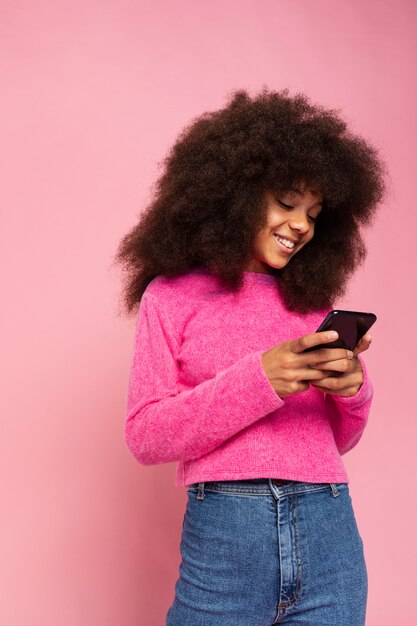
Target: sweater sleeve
x: 163, y: 424
x: 349, y: 415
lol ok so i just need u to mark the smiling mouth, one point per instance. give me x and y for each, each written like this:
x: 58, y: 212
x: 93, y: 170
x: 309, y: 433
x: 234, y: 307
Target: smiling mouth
x: 287, y: 248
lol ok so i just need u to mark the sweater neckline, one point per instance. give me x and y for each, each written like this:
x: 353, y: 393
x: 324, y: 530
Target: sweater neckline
x: 259, y: 277
x: 248, y: 277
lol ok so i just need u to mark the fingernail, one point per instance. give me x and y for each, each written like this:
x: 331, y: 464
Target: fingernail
x: 349, y: 353
x: 332, y: 334
x: 369, y: 338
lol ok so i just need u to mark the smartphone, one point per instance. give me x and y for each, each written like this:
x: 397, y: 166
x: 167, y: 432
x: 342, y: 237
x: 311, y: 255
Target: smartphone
x: 351, y: 326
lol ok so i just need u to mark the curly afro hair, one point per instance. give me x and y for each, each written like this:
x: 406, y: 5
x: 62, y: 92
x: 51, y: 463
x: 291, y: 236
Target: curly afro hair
x: 209, y: 202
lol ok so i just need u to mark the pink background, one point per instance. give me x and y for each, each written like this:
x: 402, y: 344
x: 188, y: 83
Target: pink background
x: 93, y: 95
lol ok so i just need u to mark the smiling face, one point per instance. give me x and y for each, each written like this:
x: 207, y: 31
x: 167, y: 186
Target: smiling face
x: 291, y: 217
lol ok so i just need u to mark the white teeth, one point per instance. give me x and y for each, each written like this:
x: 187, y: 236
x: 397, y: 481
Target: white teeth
x: 288, y: 244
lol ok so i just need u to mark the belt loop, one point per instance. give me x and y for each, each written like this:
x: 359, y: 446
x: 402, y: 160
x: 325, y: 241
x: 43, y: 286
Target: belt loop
x: 334, y: 489
x: 200, y: 491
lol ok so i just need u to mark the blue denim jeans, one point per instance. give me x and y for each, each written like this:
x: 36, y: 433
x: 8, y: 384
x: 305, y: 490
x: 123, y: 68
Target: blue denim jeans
x: 267, y: 551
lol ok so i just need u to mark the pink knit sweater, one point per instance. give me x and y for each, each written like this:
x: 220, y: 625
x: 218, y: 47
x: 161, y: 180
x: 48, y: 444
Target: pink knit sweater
x: 198, y: 393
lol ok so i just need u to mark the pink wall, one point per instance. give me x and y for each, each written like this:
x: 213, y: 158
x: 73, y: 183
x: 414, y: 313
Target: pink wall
x: 93, y: 94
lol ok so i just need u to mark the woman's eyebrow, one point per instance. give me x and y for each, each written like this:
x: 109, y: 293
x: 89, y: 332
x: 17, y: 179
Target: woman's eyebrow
x: 299, y: 193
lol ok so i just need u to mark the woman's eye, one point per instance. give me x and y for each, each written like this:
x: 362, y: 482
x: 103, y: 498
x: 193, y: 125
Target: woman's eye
x: 286, y: 206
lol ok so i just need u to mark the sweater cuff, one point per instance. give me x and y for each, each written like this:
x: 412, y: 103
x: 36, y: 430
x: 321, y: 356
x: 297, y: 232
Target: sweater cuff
x: 364, y: 393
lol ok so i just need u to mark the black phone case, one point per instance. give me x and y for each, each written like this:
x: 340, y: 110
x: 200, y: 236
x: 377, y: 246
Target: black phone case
x: 351, y: 326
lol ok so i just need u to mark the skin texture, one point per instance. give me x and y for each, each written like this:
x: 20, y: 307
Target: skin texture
x: 290, y: 215
x: 288, y: 369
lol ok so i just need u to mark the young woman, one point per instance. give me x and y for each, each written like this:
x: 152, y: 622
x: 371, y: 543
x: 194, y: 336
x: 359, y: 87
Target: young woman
x: 252, y: 233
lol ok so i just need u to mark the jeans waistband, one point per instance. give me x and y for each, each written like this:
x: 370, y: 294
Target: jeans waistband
x: 262, y: 486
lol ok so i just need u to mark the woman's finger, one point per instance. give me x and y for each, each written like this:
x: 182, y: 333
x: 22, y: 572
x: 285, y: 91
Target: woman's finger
x: 345, y: 391
x: 363, y: 344
x: 342, y: 383
x: 340, y: 365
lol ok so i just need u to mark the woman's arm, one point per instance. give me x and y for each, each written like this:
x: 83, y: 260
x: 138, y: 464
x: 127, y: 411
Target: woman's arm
x: 165, y: 425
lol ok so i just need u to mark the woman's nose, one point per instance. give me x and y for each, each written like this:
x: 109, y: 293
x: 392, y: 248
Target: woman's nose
x: 301, y: 225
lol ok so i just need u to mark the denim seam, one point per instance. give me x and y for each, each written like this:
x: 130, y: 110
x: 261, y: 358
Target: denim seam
x: 298, y: 583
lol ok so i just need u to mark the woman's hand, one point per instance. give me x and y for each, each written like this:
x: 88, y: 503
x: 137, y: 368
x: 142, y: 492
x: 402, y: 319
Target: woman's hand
x: 290, y: 370
x: 349, y: 377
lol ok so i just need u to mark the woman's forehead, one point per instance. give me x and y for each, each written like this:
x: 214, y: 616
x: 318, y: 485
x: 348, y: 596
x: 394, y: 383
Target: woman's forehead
x: 301, y: 189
